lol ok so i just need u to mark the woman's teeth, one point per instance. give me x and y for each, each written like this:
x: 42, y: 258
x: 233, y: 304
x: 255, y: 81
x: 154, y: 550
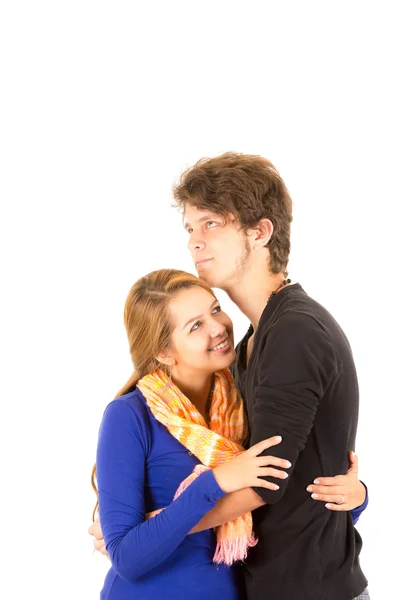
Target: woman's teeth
x: 220, y: 346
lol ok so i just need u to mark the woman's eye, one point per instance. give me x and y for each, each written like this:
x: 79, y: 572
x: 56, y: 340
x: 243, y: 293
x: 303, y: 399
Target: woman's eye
x: 217, y: 309
x: 196, y: 326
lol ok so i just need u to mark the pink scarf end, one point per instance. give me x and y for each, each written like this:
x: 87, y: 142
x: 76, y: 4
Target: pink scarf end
x: 198, y: 469
x: 228, y: 550
x: 231, y: 551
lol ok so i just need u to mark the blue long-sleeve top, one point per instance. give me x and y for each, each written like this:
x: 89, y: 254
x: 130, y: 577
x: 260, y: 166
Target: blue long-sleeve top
x: 140, y: 465
x: 356, y: 512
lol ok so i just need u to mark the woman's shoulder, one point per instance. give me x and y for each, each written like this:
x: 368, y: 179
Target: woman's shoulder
x: 134, y: 401
x: 130, y: 411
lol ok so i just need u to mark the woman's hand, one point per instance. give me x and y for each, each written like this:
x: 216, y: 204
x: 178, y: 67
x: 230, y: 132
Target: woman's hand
x: 98, y: 541
x: 343, y: 492
x: 246, y: 469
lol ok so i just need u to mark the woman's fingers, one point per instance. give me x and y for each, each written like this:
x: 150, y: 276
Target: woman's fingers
x: 337, y: 507
x: 337, y: 480
x: 353, y: 462
x: 269, y: 472
x: 274, y: 461
x: 325, y: 489
x: 263, y: 483
x: 328, y: 497
x: 264, y: 445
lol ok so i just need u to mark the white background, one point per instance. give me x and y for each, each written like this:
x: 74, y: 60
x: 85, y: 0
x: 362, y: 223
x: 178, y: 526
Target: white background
x: 103, y: 104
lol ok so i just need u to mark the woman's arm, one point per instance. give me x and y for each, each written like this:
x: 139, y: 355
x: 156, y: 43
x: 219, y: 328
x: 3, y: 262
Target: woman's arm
x: 342, y: 492
x: 136, y: 545
x: 229, y: 508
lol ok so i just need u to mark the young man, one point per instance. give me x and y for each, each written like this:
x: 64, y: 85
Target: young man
x: 294, y: 370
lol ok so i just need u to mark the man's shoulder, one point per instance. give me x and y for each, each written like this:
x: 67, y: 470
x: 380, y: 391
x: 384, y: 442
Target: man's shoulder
x: 299, y: 311
x: 297, y: 327
x: 297, y: 322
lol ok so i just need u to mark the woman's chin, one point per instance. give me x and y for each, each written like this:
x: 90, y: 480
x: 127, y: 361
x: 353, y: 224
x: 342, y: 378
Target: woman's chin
x: 226, y: 360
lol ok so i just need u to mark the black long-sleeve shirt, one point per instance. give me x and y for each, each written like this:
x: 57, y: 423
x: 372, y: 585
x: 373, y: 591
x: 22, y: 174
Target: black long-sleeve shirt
x: 301, y: 383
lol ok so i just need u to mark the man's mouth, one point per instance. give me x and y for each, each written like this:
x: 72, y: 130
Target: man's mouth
x: 201, y: 262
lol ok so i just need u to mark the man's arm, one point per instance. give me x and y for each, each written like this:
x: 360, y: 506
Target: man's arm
x: 296, y: 366
x: 229, y: 508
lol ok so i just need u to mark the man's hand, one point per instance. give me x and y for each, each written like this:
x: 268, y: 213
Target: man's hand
x: 98, y: 541
x: 96, y: 531
x: 343, y: 492
x: 152, y: 514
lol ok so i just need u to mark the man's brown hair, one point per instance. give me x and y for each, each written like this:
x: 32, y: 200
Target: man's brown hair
x: 247, y: 186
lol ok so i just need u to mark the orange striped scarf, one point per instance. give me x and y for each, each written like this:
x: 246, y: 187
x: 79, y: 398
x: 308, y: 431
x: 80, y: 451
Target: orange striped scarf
x: 212, y: 445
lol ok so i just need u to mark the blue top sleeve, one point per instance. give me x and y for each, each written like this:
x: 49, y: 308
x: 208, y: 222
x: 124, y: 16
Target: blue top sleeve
x: 135, y: 545
x: 356, y: 512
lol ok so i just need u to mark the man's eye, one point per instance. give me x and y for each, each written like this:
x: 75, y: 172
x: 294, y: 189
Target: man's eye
x: 196, y: 326
x: 210, y: 224
x: 190, y: 230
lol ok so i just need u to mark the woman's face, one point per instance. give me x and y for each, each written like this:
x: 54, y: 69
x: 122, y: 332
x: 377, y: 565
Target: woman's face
x: 202, y: 338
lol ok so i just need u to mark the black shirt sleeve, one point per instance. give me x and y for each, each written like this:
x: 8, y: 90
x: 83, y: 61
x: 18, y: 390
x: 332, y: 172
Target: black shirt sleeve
x: 296, y: 366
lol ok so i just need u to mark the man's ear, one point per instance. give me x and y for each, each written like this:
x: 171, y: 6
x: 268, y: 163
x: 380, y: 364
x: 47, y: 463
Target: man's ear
x: 261, y: 234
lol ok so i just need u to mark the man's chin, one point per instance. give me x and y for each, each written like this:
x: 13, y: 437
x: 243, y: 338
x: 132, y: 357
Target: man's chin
x: 210, y: 278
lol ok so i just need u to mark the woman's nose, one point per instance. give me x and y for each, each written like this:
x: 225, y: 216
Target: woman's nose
x: 217, y: 329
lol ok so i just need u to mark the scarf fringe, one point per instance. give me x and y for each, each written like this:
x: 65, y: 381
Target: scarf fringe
x: 229, y: 551
x: 198, y: 469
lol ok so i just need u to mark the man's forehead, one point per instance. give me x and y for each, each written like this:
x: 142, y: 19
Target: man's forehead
x: 196, y: 215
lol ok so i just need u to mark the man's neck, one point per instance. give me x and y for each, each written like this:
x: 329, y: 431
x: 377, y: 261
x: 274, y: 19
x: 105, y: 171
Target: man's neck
x: 251, y: 293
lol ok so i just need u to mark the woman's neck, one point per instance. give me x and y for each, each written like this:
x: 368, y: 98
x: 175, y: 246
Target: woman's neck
x: 197, y: 388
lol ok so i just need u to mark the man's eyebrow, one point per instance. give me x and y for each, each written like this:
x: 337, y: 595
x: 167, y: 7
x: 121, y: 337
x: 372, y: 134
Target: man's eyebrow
x: 199, y: 316
x: 201, y: 219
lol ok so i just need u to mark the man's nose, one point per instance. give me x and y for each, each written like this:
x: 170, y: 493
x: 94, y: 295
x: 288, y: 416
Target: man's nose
x: 195, y: 242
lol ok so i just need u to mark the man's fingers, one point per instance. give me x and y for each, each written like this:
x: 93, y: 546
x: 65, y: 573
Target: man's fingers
x: 99, y: 544
x: 153, y: 513
x: 92, y: 527
x: 264, y: 445
x: 97, y: 531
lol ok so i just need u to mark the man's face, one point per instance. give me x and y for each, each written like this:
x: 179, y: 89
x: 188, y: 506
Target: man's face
x: 221, y: 252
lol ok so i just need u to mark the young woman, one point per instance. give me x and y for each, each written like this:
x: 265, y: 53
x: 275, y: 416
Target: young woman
x: 174, y: 437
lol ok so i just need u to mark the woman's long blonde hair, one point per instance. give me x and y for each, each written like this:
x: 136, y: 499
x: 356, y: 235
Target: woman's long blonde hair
x: 148, y: 325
